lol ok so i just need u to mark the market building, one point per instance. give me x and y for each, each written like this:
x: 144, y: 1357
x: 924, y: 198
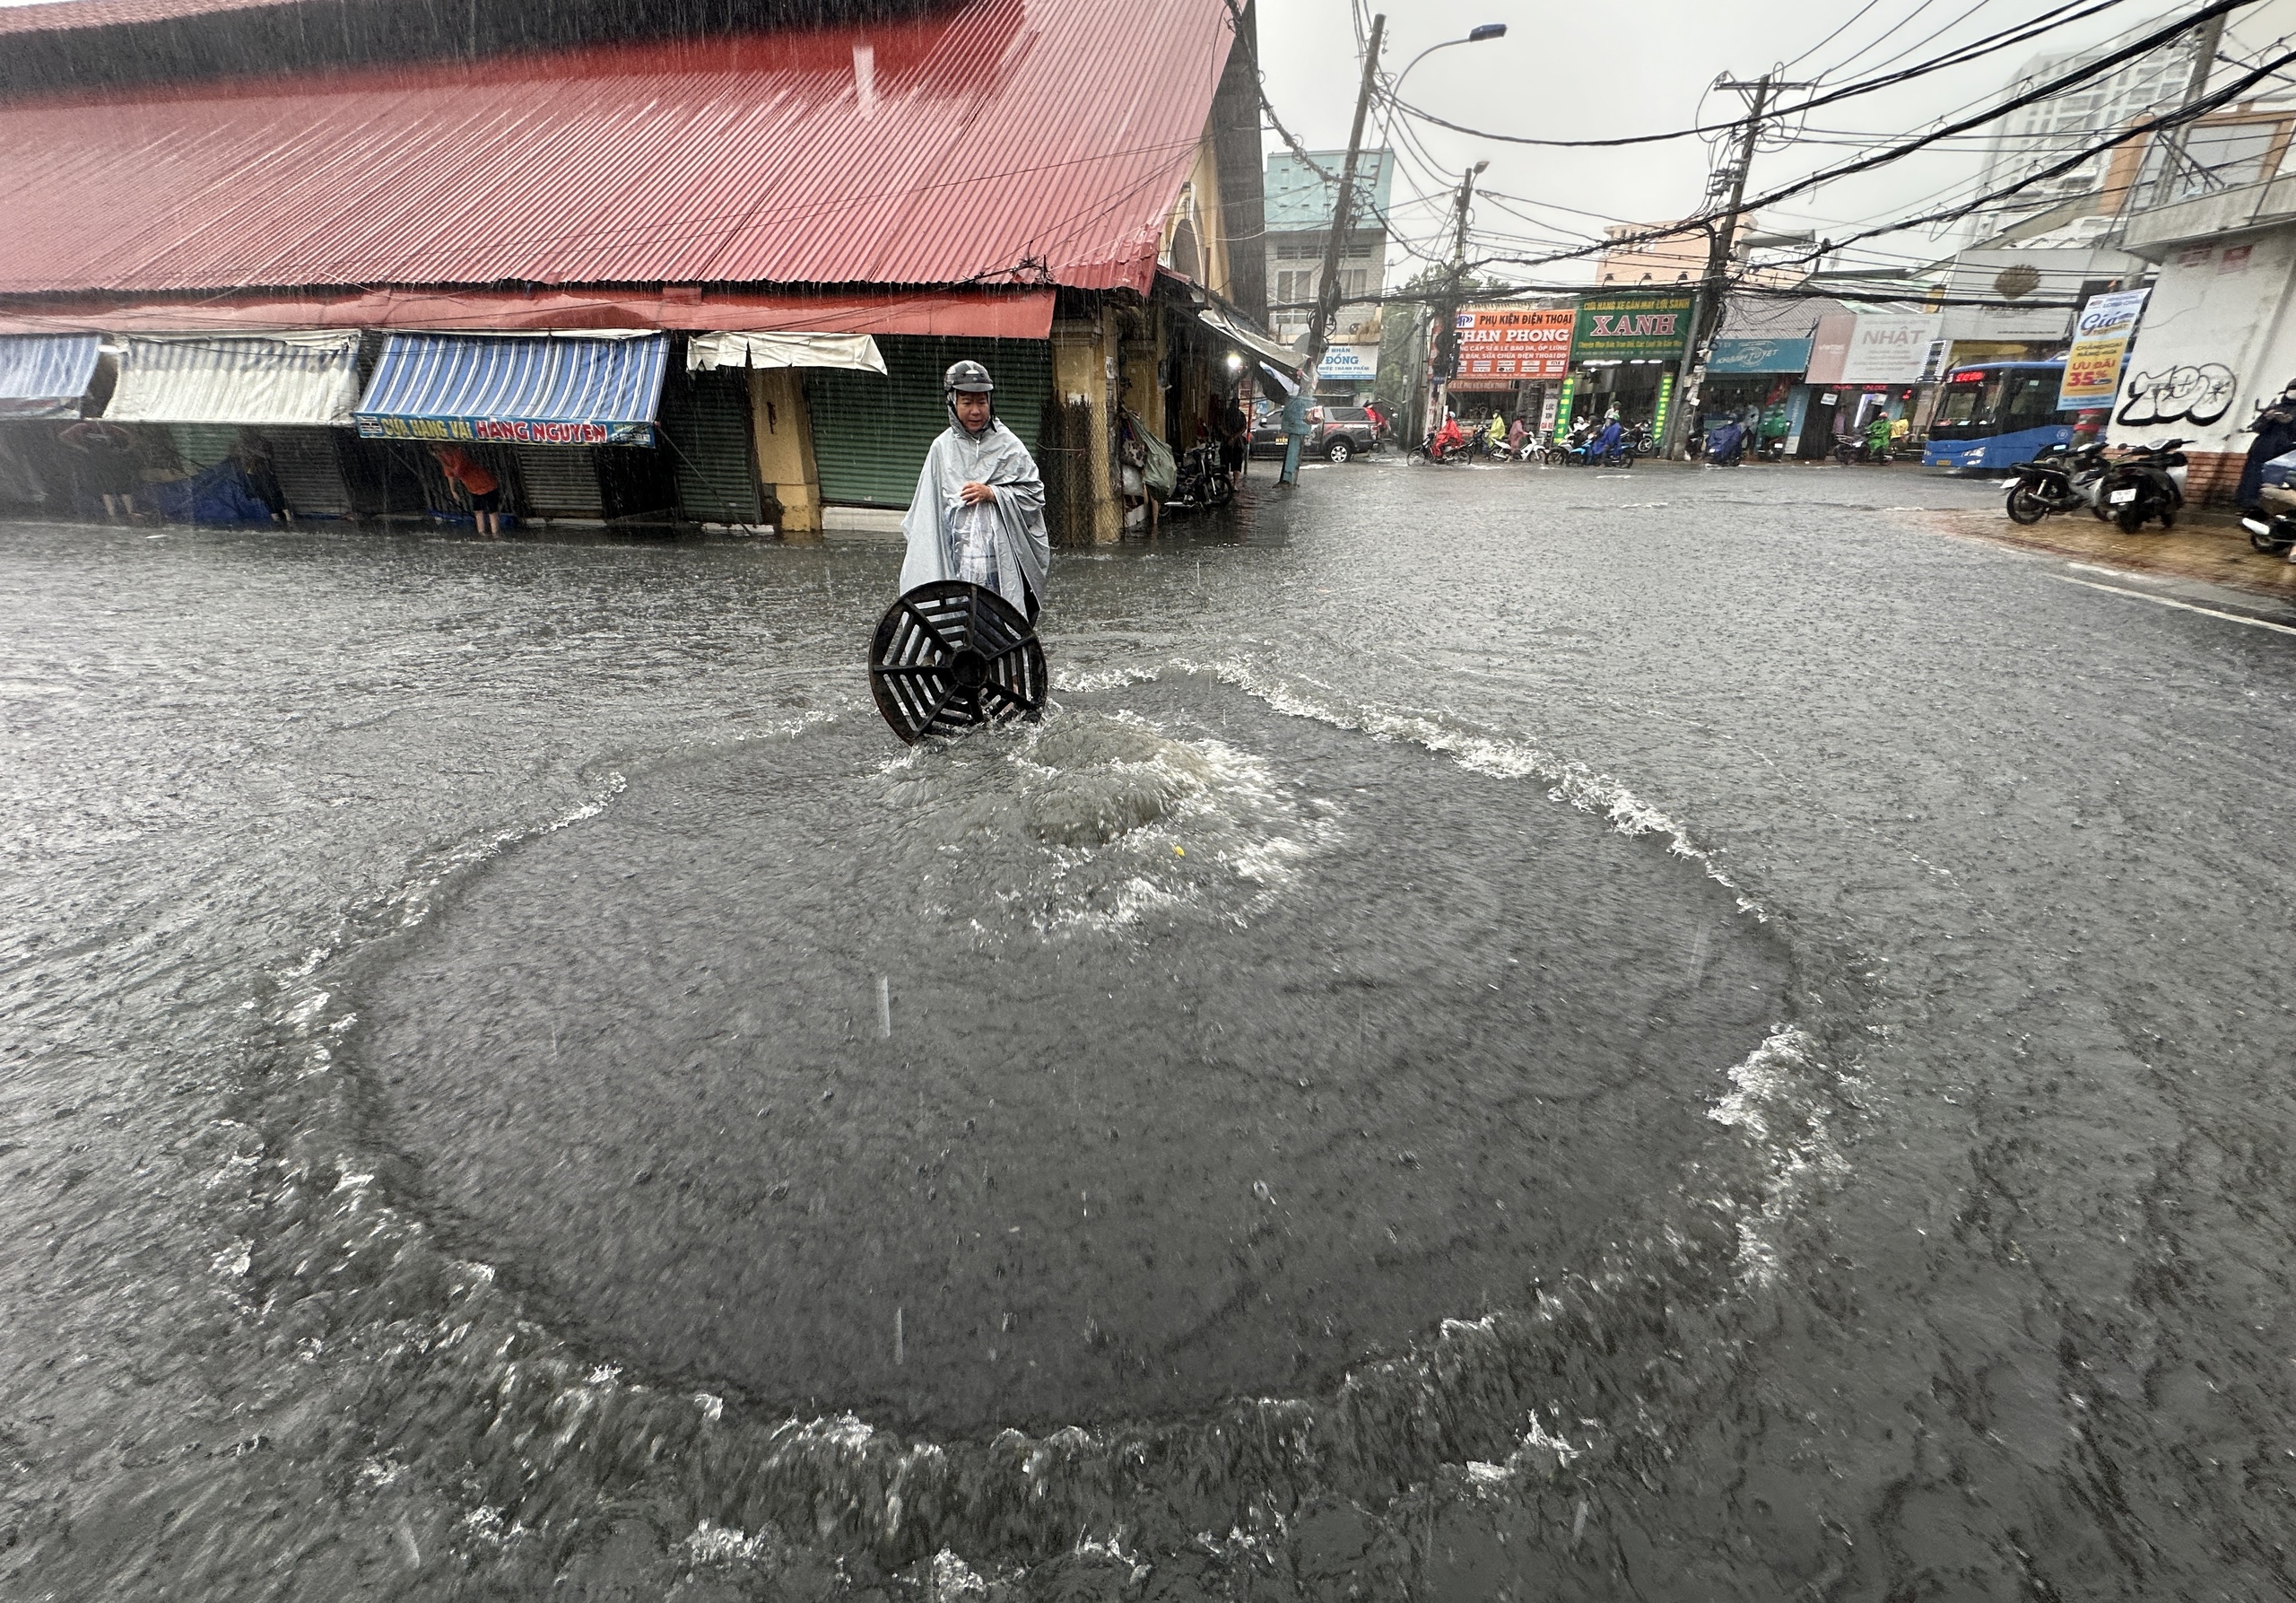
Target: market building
x: 1300, y: 197
x: 646, y: 263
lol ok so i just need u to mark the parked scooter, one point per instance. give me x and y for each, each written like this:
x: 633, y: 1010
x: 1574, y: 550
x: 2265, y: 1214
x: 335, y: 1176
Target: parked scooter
x: 2271, y: 533
x: 1204, y: 481
x: 2148, y: 482
x: 2059, y: 479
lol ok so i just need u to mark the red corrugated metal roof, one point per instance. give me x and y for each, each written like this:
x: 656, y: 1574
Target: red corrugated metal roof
x: 59, y: 16
x: 980, y: 314
x: 1000, y: 140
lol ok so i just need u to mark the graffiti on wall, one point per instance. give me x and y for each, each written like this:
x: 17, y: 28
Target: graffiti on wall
x: 2198, y: 396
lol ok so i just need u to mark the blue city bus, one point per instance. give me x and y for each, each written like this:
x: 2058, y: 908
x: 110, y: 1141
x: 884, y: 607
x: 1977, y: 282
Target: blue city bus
x: 1994, y: 414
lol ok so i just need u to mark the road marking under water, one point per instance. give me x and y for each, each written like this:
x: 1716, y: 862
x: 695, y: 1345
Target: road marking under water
x: 2170, y: 601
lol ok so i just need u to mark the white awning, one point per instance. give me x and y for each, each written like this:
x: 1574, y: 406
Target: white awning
x: 1252, y: 340
x: 705, y: 352
x: 237, y: 379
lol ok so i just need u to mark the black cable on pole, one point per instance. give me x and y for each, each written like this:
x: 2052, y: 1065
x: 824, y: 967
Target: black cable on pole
x: 2047, y: 22
x: 1898, y: 152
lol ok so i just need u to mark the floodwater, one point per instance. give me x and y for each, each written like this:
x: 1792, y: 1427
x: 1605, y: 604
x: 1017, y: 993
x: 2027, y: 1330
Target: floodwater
x: 1674, y: 1034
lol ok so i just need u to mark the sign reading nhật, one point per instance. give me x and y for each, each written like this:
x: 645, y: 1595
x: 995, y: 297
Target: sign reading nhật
x: 1893, y: 350
x: 2099, y: 343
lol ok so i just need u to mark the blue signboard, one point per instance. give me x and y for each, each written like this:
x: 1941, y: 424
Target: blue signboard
x: 1743, y: 355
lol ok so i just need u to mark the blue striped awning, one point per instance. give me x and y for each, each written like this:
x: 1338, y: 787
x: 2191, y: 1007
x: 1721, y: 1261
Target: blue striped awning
x: 44, y: 375
x: 588, y: 389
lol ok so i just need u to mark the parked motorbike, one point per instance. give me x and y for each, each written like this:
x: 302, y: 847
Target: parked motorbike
x: 2059, y: 479
x: 1204, y: 481
x: 2272, y: 532
x: 2148, y: 482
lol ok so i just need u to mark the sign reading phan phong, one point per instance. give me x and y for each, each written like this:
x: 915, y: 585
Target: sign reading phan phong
x: 1636, y: 327
x: 1498, y: 344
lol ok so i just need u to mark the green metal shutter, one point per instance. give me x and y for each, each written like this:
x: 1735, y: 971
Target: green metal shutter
x: 870, y: 434
x: 202, y: 445
x: 559, y: 481
x: 705, y: 432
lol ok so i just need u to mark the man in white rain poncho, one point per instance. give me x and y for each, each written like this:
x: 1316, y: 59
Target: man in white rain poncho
x: 979, y: 511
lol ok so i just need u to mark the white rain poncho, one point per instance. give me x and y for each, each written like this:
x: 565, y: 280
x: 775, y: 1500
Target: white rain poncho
x: 938, y: 517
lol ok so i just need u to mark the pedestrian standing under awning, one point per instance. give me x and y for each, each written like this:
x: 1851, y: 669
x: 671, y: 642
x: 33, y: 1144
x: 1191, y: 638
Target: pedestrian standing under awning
x: 979, y: 511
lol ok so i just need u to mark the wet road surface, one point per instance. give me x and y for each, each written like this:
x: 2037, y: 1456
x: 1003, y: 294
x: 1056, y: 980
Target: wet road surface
x: 512, y: 1082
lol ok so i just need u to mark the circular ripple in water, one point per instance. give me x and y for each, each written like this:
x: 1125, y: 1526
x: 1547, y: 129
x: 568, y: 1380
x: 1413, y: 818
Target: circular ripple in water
x: 1225, y: 1049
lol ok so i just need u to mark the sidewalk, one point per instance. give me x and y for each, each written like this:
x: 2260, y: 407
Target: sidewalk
x: 2209, y: 547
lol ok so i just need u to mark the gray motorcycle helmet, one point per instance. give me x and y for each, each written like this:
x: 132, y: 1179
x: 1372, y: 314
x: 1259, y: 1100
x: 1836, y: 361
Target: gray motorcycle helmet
x: 967, y: 377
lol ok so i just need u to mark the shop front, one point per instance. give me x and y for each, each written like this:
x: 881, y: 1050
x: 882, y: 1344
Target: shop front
x: 1626, y: 357
x: 566, y: 423
x: 45, y: 380
x: 1346, y: 375
x: 241, y: 426
x: 1513, y: 360
x: 1864, y: 366
x: 1756, y: 382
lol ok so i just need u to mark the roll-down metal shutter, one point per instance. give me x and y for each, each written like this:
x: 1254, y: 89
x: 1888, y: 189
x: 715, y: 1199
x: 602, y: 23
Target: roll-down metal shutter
x: 202, y: 445
x: 705, y: 432
x: 559, y: 481
x: 871, y: 433
x: 309, y: 472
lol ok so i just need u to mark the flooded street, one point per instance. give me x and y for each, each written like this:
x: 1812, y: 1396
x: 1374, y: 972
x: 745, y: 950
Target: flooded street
x: 1529, y: 1034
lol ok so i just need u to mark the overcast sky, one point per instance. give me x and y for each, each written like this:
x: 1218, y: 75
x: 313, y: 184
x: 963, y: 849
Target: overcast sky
x: 1599, y: 70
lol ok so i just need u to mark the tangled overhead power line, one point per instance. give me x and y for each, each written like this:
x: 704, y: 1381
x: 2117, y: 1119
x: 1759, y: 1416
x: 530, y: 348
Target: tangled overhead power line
x: 2048, y: 21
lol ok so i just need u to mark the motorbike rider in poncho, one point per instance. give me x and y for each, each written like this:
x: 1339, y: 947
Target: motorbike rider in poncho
x: 979, y: 511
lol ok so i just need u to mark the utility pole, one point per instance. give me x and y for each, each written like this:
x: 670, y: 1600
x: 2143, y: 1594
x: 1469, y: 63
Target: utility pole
x: 1722, y: 234
x: 2204, y: 65
x: 1446, y: 333
x: 1343, y: 212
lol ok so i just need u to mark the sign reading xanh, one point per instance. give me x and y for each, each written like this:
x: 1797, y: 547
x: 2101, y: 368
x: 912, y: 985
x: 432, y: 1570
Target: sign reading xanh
x: 1498, y: 344
x: 1646, y: 328
x: 2099, y: 343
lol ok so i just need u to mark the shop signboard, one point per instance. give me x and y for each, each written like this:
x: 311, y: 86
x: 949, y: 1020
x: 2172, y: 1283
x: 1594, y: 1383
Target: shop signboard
x: 505, y: 431
x: 1750, y: 356
x: 1498, y: 344
x: 2100, y: 342
x: 1349, y: 364
x: 1633, y: 328
x: 1889, y: 350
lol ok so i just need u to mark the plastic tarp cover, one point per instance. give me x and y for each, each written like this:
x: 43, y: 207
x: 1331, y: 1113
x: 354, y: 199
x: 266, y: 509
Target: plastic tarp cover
x: 596, y: 388
x: 216, y: 494
x: 44, y: 375
x: 1250, y: 339
x: 705, y: 353
x: 310, y: 378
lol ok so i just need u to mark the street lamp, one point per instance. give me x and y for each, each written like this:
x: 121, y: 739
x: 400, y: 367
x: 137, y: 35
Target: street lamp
x: 1475, y: 36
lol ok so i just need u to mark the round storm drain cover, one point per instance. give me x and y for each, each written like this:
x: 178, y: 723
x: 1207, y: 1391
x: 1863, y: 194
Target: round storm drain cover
x: 949, y: 656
